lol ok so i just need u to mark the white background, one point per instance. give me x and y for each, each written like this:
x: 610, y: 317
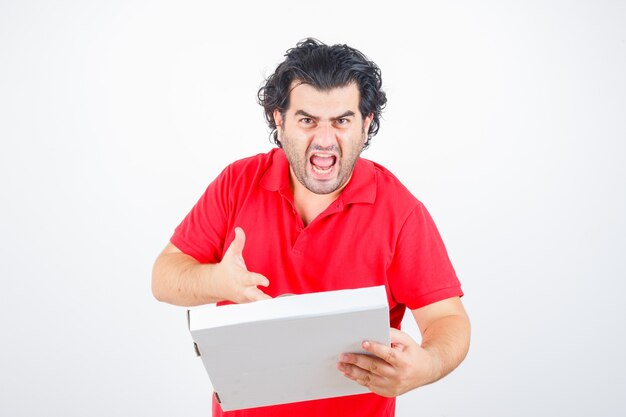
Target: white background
x: 507, y: 119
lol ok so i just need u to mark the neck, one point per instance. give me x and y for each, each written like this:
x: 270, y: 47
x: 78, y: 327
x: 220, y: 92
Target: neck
x: 308, y: 204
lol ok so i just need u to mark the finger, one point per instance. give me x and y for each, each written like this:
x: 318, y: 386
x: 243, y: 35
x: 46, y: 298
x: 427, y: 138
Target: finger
x: 361, y: 376
x: 262, y: 296
x: 400, y: 337
x: 388, y: 354
x: 257, y: 279
x: 255, y: 294
x: 237, y: 245
x: 368, y: 363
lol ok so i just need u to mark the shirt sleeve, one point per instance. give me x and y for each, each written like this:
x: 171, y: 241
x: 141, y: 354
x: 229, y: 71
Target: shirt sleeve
x: 203, y: 231
x: 420, y: 272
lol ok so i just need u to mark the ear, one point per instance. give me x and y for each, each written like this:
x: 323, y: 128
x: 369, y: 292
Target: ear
x: 278, y: 118
x: 367, y: 122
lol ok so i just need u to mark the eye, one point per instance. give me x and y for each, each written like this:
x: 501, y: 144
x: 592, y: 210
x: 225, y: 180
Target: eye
x: 342, y: 121
x: 306, y: 120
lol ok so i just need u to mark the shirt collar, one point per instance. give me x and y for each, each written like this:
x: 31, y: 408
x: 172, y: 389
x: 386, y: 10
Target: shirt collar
x: 360, y: 189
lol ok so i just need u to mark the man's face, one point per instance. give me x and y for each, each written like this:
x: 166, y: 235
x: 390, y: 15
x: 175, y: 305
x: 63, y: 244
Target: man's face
x: 322, y: 134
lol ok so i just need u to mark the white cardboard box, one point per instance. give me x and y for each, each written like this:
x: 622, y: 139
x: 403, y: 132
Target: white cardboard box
x: 286, y: 349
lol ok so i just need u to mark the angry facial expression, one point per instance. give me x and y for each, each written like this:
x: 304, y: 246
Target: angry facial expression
x: 322, y: 134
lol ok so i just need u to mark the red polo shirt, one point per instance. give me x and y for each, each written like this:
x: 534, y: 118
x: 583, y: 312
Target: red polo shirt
x: 374, y: 233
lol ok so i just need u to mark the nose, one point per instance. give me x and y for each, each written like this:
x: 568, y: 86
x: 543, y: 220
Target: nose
x: 325, y: 135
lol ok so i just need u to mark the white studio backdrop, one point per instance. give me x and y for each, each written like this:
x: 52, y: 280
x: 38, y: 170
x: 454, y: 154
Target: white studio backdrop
x: 507, y: 119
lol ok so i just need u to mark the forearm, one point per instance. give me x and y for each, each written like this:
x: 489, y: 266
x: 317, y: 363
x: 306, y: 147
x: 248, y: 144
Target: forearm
x: 179, y: 279
x: 447, y: 341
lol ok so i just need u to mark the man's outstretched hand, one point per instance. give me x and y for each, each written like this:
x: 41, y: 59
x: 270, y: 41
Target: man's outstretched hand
x: 231, y: 279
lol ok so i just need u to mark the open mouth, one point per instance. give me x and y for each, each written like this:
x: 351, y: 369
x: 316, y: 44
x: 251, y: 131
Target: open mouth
x: 322, y: 163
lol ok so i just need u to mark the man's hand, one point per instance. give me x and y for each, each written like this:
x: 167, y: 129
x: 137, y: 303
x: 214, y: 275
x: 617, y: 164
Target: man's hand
x: 405, y: 365
x: 179, y: 279
x: 231, y: 279
x: 392, y: 370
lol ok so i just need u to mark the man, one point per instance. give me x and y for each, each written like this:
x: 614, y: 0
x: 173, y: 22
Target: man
x: 311, y: 215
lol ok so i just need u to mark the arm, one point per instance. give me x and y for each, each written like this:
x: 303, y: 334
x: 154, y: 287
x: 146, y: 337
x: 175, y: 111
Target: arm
x: 179, y: 279
x: 406, y: 365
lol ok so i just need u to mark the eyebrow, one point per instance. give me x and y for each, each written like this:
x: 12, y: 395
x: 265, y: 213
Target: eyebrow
x: 348, y: 113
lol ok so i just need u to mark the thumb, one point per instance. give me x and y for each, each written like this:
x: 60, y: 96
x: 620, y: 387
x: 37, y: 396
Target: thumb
x: 236, y: 246
x: 399, y: 337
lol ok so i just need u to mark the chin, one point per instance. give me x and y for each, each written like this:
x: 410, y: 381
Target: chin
x: 323, y: 187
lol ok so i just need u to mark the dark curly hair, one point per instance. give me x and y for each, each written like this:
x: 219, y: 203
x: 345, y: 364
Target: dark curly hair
x: 324, y: 67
